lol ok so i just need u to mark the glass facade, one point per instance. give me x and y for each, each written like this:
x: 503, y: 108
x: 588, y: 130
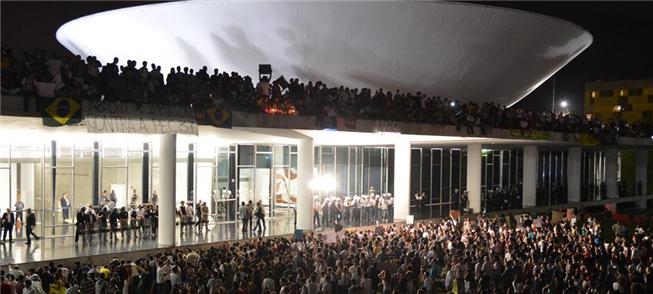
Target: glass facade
x: 438, y: 177
x: 552, y: 177
x: 354, y: 170
x: 592, y: 175
x: 56, y: 178
x: 501, y: 179
x: 439, y: 174
x: 268, y: 173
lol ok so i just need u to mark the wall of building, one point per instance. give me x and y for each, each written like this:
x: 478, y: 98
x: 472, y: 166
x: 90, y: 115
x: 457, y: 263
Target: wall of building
x: 634, y: 98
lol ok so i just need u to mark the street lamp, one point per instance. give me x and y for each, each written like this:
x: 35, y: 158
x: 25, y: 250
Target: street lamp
x: 563, y: 104
x: 563, y: 107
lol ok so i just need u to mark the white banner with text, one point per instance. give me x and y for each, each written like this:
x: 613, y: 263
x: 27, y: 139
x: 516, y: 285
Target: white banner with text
x: 141, y: 119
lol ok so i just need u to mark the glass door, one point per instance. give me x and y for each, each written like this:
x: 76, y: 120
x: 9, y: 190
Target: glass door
x: 263, y: 178
x: 245, y: 185
x: 114, y: 176
x: 225, y: 203
x: 255, y: 176
x: 246, y: 175
x: 285, y: 183
x: 58, y: 210
x: 136, y: 173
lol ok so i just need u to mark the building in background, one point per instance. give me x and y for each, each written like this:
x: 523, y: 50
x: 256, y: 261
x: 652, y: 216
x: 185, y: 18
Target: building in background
x: 629, y: 100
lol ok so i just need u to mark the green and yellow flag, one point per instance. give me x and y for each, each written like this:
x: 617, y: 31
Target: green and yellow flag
x: 62, y: 111
x: 587, y: 140
x: 218, y: 117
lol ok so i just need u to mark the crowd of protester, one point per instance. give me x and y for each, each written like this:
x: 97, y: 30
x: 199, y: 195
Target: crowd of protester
x: 38, y: 73
x: 475, y: 255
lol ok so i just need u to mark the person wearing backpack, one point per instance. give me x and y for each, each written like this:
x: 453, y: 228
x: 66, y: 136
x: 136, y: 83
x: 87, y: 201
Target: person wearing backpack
x: 242, y: 213
x: 259, y: 212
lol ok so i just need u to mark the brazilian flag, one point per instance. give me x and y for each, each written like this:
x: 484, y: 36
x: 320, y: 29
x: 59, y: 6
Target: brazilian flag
x: 218, y: 117
x: 62, y: 111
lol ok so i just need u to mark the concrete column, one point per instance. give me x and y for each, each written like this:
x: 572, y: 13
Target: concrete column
x: 641, y: 175
x: 474, y: 177
x: 304, y: 207
x: 167, y: 174
x: 573, y: 174
x: 402, y: 179
x: 529, y: 180
x: 611, y: 170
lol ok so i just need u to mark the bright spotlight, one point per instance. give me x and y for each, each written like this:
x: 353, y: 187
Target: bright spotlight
x: 323, y: 183
x: 564, y: 103
x: 452, y: 103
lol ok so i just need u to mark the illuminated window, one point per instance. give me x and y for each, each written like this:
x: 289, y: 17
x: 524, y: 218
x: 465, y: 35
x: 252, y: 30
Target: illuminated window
x: 593, y: 94
x: 622, y: 92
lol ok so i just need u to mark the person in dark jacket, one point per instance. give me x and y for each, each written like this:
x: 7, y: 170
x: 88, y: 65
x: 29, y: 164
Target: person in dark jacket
x: 113, y: 224
x: 30, y: 223
x: 81, y: 223
x: 8, y: 221
x: 124, y: 223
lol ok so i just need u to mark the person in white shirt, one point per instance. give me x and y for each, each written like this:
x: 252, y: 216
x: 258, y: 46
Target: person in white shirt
x: 162, y: 274
x: 190, y: 214
x: 175, y: 276
x: 268, y: 283
x: 390, y: 201
x: 316, y: 212
x: 27, y: 289
x: 311, y: 286
x: 365, y: 208
x: 65, y: 207
x: 383, y: 206
x: 346, y: 216
x: 376, y: 207
x: 15, y: 271
x: 358, y: 205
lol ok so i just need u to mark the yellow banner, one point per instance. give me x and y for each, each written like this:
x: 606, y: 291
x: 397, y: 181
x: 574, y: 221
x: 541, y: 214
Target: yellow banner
x: 531, y: 135
x: 587, y: 140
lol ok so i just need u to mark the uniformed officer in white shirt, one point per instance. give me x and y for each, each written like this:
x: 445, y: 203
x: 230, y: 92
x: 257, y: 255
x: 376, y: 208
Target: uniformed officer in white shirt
x: 391, y: 201
x: 346, y: 217
x: 357, y: 208
x: 365, y: 208
x: 383, y: 207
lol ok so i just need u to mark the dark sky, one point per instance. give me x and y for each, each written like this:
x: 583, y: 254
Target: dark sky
x: 622, y: 48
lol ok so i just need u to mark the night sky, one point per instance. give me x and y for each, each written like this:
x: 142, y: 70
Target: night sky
x: 622, y: 48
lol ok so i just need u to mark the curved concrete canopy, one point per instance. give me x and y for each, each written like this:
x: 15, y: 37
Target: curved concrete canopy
x: 464, y: 51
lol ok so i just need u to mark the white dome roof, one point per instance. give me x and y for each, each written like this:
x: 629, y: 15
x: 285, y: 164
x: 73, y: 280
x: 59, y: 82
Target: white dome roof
x: 463, y: 51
